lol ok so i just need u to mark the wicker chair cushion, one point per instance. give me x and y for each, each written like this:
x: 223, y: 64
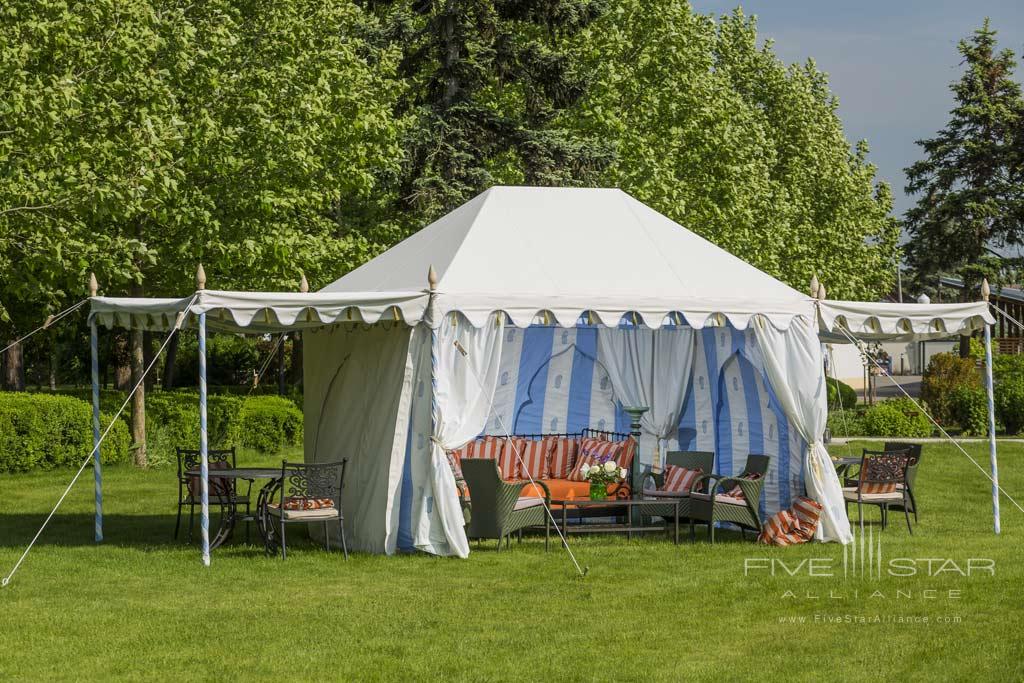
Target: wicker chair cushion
x: 528, y: 502
x: 850, y: 493
x: 720, y: 498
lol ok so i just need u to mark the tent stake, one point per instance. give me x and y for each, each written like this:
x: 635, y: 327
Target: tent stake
x: 991, y: 415
x: 95, y: 376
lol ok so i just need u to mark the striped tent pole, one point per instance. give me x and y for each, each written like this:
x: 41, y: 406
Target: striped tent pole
x: 95, y: 372
x: 985, y: 292
x: 204, y: 519
x: 435, y: 417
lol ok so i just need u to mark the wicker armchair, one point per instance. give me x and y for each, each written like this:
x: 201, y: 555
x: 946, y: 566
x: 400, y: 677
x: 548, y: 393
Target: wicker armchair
x: 495, y: 509
x: 702, y: 460
x: 713, y: 505
x: 308, y: 493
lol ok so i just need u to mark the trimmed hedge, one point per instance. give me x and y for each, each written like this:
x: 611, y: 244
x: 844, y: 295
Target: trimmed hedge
x: 45, y: 431
x: 945, y: 373
x: 1009, y: 399
x: 897, y: 418
x: 840, y: 395
x: 969, y: 407
x: 262, y: 423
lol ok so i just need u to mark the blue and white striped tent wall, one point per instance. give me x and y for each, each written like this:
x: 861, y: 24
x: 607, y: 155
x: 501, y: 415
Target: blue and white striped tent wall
x: 550, y: 382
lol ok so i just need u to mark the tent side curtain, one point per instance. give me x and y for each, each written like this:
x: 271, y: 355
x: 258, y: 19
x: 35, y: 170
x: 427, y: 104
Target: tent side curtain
x: 260, y: 312
x: 898, y: 322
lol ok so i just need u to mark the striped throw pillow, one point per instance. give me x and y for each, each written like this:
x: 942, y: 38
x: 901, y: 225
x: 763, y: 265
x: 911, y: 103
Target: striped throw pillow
x: 592, y: 452
x: 807, y: 511
x: 493, y: 448
x: 561, y: 452
x: 737, y: 492
x: 679, y: 479
x: 875, y: 487
x: 624, y: 458
x: 533, y: 457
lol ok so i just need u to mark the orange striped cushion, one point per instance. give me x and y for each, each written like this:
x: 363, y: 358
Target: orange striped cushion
x: 624, y: 458
x: 534, y: 457
x: 493, y: 448
x: 869, y: 487
x: 778, y: 529
x: 592, y: 452
x: 679, y: 479
x: 561, y: 452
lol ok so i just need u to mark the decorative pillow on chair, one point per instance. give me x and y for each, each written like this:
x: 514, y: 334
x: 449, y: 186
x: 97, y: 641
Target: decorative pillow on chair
x: 219, y: 487
x: 881, y: 473
x: 736, y: 491
x: 561, y: 452
x: 679, y: 479
x: 305, y: 503
x: 534, y: 454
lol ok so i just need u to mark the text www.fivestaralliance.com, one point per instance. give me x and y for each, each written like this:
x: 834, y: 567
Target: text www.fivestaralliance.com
x: 858, y: 619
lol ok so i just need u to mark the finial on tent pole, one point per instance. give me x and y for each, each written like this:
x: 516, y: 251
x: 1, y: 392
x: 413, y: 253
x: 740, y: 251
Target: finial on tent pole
x: 814, y: 286
x: 821, y: 292
x: 200, y: 277
x: 986, y: 291
x: 303, y: 283
x: 432, y: 278
x: 94, y: 286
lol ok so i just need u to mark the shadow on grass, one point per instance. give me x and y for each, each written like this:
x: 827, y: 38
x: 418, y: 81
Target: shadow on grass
x: 134, y: 530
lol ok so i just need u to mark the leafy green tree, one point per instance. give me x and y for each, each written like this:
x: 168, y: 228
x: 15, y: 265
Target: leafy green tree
x: 486, y: 81
x: 138, y: 137
x: 716, y: 133
x: 969, y: 183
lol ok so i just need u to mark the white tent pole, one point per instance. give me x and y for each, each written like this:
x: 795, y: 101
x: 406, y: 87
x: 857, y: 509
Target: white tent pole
x: 95, y: 375
x: 204, y: 464
x: 989, y: 389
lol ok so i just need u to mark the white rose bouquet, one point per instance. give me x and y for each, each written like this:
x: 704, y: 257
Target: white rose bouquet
x: 604, y: 472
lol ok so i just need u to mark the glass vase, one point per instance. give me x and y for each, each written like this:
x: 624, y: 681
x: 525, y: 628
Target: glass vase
x: 598, y: 491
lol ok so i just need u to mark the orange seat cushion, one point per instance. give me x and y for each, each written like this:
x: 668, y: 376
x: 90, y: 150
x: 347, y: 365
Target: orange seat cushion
x: 566, y: 489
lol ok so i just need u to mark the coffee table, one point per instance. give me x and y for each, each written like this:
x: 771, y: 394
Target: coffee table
x: 615, y: 507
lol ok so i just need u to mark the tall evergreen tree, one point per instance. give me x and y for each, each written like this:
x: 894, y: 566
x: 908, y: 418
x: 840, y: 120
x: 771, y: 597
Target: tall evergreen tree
x: 969, y: 208
x: 487, y: 80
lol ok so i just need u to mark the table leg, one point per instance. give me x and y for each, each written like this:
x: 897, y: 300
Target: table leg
x: 227, y: 525
x: 629, y: 523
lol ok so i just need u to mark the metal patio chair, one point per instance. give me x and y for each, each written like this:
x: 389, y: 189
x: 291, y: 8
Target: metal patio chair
x: 223, y: 492
x: 308, y: 493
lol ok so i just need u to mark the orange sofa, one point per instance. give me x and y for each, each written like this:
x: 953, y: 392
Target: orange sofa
x: 560, y: 488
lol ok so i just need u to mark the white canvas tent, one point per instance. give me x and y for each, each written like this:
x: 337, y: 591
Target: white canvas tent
x: 648, y: 313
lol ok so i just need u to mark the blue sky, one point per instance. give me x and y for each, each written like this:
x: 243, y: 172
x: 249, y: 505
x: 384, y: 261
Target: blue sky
x: 890, y: 63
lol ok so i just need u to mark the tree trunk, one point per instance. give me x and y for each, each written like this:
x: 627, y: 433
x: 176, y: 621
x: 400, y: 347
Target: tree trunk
x: 54, y: 358
x: 965, y: 346
x: 138, y: 422
x: 14, y: 368
x: 170, y: 363
x: 296, y: 371
x: 280, y: 366
x: 147, y: 358
x: 121, y: 357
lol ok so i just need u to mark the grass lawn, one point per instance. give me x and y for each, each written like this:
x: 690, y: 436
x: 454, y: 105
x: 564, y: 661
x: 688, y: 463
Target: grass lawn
x: 140, y: 606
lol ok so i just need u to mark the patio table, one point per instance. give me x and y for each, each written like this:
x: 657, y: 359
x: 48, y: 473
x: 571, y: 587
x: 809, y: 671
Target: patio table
x: 614, y: 507
x: 229, y: 513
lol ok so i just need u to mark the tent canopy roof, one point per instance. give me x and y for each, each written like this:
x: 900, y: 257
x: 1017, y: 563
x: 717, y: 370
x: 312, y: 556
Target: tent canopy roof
x: 569, y: 251
x: 900, y: 322
x: 551, y: 254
